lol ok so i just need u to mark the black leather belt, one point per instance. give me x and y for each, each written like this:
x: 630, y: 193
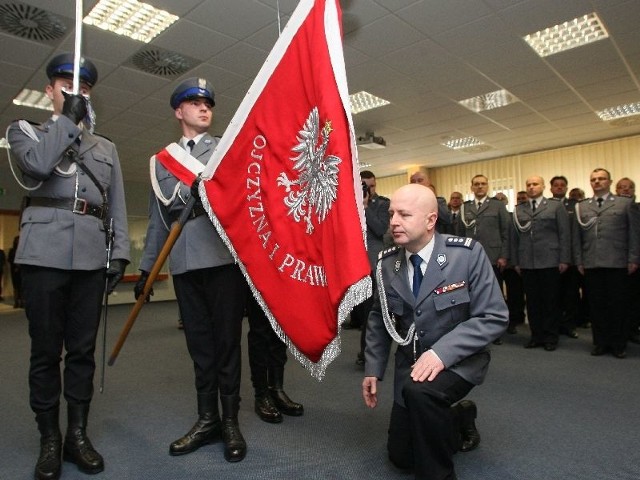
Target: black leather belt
x: 76, y: 205
x: 196, y: 211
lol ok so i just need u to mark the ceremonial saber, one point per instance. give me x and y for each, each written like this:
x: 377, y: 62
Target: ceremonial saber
x: 77, y: 49
x: 174, y: 233
x: 106, y: 302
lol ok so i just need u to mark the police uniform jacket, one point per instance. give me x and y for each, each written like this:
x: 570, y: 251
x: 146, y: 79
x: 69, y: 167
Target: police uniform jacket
x: 198, y: 245
x: 377, y: 218
x: 56, y: 237
x: 489, y: 225
x: 458, y: 312
x: 546, y: 239
x: 607, y: 236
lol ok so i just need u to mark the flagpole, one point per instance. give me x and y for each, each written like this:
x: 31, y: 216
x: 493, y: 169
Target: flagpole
x: 77, y: 48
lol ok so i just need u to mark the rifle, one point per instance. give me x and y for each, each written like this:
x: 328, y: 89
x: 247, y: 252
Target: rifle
x: 106, y: 302
x: 174, y: 233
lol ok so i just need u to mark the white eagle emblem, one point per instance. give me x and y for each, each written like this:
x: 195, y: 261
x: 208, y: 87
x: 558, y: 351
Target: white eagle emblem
x: 317, y: 183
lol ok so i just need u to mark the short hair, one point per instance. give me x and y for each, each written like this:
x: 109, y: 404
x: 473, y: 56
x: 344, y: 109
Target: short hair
x: 367, y: 174
x: 633, y: 184
x: 602, y: 170
x: 479, y: 175
x: 559, y: 177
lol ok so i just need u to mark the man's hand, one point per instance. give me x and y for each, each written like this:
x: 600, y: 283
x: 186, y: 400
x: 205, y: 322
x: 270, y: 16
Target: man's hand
x: 563, y: 267
x: 139, y: 286
x: 74, y: 107
x: 502, y: 263
x: 115, y: 272
x: 370, y: 391
x: 427, y: 367
x: 632, y: 268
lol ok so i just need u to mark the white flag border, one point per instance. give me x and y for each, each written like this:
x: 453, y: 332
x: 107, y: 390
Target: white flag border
x: 361, y: 290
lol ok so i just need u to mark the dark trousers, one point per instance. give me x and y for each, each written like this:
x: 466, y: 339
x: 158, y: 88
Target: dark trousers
x: 608, y: 290
x: 63, y: 308
x: 541, y: 289
x: 211, y: 303
x: 423, y: 434
x: 266, y: 350
x: 515, y: 296
x: 569, y: 297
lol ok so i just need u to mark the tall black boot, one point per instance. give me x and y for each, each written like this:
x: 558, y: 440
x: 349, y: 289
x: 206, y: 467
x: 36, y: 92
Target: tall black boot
x: 235, y: 448
x: 207, y: 429
x: 265, y: 407
x: 49, y: 462
x: 280, y: 398
x: 77, y: 446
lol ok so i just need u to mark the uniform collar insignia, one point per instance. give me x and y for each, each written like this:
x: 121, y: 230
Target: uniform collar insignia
x: 441, y: 259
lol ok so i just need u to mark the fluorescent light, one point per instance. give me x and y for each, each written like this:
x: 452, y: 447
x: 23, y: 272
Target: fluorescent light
x: 363, y: 101
x: 488, y: 101
x: 462, y: 143
x: 130, y: 18
x: 33, y: 99
x: 574, y: 33
x: 360, y: 165
x: 621, y: 111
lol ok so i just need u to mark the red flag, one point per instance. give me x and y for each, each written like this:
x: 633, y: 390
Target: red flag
x: 283, y: 188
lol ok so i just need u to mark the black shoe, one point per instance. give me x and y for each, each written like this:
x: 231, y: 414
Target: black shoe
x: 635, y: 338
x: 284, y: 403
x: 78, y: 450
x: 235, y: 447
x: 266, y: 409
x: 619, y: 353
x: 532, y: 344
x: 550, y: 347
x: 512, y: 330
x: 598, y: 350
x: 49, y: 464
x: 468, y: 430
x: 570, y: 332
x: 206, y: 430
x: 498, y: 341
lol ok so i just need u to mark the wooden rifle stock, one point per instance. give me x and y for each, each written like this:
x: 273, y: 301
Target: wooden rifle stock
x: 174, y: 233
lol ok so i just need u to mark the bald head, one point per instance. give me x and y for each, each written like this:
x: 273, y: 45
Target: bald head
x: 420, y: 178
x: 413, y: 212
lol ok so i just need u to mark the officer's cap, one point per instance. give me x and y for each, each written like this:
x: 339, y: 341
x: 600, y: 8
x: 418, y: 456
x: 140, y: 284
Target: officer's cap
x: 192, y: 88
x: 62, y: 66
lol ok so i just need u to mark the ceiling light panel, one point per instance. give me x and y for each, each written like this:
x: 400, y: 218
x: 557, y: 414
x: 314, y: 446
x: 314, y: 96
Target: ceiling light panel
x: 363, y: 101
x: 130, y: 18
x: 621, y: 111
x: 462, y: 143
x: 489, y: 101
x: 33, y: 99
x: 571, y: 34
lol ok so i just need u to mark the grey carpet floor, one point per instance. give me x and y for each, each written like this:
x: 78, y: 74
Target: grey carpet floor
x: 542, y: 415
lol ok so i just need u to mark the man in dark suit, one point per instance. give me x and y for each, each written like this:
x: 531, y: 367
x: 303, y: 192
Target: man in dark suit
x: 456, y: 227
x: 440, y: 301
x: 75, y: 188
x: 607, y: 250
x: 376, y: 213
x: 444, y: 217
x: 210, y: 288
x: 541, y: 253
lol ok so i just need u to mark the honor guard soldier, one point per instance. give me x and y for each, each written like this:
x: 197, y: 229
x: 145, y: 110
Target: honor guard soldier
x: 209, y: 286
x: 75, y: 193
x: 438, y: 298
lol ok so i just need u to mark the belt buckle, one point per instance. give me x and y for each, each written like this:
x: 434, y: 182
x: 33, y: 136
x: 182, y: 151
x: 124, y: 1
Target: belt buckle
x: 80, y: 206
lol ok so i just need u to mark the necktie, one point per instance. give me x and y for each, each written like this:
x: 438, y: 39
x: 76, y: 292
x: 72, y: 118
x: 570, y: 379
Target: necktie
x: 533, y: 205
x: 453, y: 216
x: 190, y: 145
x: 416, y: 260
x: 479, y: 205
x: 600, y: 200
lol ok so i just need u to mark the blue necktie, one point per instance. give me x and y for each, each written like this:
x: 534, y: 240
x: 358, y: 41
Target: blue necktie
x: 416, y: 260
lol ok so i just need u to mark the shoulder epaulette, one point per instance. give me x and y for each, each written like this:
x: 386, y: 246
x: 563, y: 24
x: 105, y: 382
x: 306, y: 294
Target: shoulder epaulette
x: 460, y: 242
x: 388, y: 251
x: 103, y: 136
x: 555, y: 199
x: 383, y: 198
